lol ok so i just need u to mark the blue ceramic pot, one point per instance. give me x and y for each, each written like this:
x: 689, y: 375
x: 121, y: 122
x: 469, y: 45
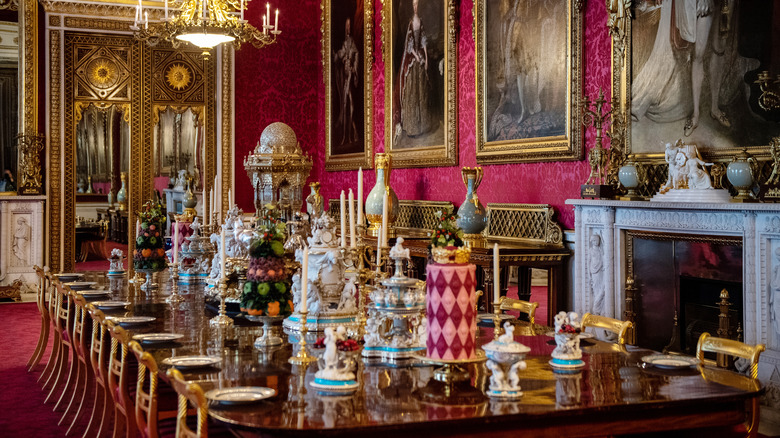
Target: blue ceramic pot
x: 472, y: 216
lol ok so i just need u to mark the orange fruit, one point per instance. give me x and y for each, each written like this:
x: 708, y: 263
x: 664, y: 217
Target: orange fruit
x: 273, y: 308
x: 146, y: 252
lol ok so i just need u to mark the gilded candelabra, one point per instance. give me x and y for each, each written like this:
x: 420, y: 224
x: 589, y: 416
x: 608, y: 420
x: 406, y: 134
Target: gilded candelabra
x: 303, y: 357
x: 368, y: 271
x: 30, y: 177
x: 222, y: 319
x: 603, y: 162
x: 770, y: 91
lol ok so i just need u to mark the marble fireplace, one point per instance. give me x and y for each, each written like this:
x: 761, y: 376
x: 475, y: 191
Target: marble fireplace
x: 743, y: 242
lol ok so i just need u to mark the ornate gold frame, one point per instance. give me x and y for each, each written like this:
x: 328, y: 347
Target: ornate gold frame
x: 619, y: 25
x: 355, y: 160
x: 440, y: 155
x: 61, y: 212
x: 567, y: 147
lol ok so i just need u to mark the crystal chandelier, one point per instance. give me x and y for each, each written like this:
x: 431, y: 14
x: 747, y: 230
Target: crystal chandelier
x: 206, y: 24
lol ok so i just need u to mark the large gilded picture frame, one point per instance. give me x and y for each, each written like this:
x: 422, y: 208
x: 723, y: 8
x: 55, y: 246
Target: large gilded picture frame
x: 665, y: 76
x: 528, y: 80
x: 348, y: 61
x: 420, y: 53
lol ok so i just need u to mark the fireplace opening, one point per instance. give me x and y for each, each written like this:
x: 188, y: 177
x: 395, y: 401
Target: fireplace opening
x: 699, y: 310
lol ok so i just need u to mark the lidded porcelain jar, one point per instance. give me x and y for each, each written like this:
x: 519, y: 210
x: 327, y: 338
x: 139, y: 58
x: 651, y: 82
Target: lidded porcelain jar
x: 740, y: 174
x: 375, y: 199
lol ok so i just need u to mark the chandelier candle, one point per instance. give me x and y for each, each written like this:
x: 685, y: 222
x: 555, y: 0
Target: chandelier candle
x: 352, y: 243
x: 304, y: 279
x: 222, y: 254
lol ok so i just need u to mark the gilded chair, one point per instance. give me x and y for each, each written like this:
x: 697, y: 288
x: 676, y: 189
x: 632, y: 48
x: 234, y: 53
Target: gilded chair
x: 526, y: 307
x: 730, y: 347
x: 119, y: 382
x: 62, y: 323
x: 52, y: 306
x: 189, y: 393
x: 102, y: 409
x: 152, y: 406
x: 616, y: 326
x: 44, y: 283
x: 81, y: 345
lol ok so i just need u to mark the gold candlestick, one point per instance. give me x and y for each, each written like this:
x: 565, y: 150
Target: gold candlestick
x: 222, y: 319
x: 497, y: 330
x: 303, y: 357
x: 174, y: 297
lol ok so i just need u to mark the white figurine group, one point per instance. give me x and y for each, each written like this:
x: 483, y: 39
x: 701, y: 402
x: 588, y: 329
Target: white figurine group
x: 687, y: 170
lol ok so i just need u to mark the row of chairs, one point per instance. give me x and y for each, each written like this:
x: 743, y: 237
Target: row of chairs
x: 97, y: 361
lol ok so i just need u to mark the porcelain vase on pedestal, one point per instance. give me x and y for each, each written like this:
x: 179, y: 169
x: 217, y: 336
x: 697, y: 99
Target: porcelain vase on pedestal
x: 375, y: 199
x: 472, y: 216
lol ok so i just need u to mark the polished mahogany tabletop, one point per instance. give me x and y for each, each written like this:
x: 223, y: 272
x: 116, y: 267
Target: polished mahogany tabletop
x: 615, y: 392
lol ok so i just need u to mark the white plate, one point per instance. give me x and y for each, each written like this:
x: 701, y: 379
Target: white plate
x: 110, y: 305
x: 69, y: 276
x: 240, y: 394
x: 81, y: 285
x: 158, y: 337
x: 94, y: 293
x: 131, y: 319
x: 185, y: 362
x: 583, y: 335
x: 670, y: 361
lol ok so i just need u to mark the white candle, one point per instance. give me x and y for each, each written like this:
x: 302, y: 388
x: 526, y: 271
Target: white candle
x: 268, y: 12
x: 276, y: 21
x: 205, y: 210
x: 146, y: 19
x: 137, y: 16
x: 360, y: 197
x: 230, y: 199
x: 222, y: 254
x: 379, y: 249
x: 385, y: 206
x: 166, y: 9
x: 352, y: 243
x: 304, y: 279
x: 137, y: 227
x: 343, y: 213
x: 242, y: 10
x: 203, y: 9
x: 496, y: 270
x: 176, y: 242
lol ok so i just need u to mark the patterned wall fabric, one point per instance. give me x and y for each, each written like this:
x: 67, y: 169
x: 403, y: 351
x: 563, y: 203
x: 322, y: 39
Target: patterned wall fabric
x: 284, y: 82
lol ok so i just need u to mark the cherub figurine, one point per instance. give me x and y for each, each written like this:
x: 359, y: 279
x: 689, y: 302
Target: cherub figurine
x: 509, y: 334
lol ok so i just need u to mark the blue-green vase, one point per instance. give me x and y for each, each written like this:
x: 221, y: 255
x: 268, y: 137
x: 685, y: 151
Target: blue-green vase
x: 472, y: 216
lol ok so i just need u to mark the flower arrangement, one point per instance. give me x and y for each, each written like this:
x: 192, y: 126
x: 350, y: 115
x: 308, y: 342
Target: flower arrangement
x: 149, y: 252
x: 446, y: 233
x: 268, y: 287
x: 341, y: 345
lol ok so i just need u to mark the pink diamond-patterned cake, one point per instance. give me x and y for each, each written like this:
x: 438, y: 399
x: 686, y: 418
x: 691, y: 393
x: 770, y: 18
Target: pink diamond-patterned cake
x: 452, y: 320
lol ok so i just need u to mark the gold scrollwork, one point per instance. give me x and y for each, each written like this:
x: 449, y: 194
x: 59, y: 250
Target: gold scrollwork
x: 12, y: 5
x: 31, y: 179
x: 178, y: 76
x: 177, y: 109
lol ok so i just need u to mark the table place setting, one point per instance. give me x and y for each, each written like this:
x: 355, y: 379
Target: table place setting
x: 192, y: 362
x: 111, y: 305
x: 93, y: 293
x: 68, y: 277
x: 81, y: 285
x: 131, y: 320
x: 669, y: 361
x: 239, y: 395
x: 156, y: 338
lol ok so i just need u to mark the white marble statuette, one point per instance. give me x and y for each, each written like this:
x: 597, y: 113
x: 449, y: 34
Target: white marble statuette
x: 567, y: 354
x: 505, y: 361
x: 336, y: 368
x: 689, y: 179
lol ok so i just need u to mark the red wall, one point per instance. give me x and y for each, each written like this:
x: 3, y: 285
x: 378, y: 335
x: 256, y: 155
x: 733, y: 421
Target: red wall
x: 284, y: 82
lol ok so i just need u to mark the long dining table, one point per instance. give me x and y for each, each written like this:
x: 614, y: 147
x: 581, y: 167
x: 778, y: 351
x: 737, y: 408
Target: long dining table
x: 615, y: 393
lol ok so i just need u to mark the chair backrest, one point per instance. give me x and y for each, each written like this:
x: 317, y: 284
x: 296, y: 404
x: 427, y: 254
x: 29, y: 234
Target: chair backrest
x: 523, y: 306
x: 80, y: 338
x: 189, y: 393
x: 118, y: 374
x: 145, y: 401
x: 97, y: 352
x: 616, y: 326
x: 730, y: 347
x: 43, y: 288
x: 51, y: 296
x: 63, y: 308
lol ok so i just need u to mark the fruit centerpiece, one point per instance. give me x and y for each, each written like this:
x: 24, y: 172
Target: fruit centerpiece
x: 447, y: 240
x: 267, y: 291
x: 149, y: 252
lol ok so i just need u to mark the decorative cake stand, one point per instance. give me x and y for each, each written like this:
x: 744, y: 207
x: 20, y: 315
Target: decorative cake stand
x: 149, y: 285
x: 270, y: 336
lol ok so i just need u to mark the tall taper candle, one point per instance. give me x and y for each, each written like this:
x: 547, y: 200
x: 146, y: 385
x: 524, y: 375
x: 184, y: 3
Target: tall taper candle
x: 276, y: 21
x: 385, y: 206
x: 222, y: 254
x: 496, y: 276
x: 351, y: 198
x: 343, y: 220
x: 360, y: 197
x: 379, y: 249
x: 305, y: 279
x: 176, y: 242
x: 203, y: 201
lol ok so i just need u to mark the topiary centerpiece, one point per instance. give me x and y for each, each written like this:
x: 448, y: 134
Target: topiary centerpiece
x: 149, y: 252
x: 267, y: 291
x: 447, y: 240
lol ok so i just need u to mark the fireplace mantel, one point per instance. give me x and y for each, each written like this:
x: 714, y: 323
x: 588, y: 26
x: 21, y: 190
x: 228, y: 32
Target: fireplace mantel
x: 601, y: 259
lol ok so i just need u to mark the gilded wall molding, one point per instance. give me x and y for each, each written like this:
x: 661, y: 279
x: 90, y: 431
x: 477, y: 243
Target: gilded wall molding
x: 115, y: 11
x: 55, y: 151
x: 227, y: 127
x: 83, y: 23
x: 12, y: 5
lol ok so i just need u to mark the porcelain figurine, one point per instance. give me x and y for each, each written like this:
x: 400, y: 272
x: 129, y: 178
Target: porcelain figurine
x: 335, y: 375
x: 505, y: 361
x: 688, y: 180
x: 375, y: 199
x: 116, y: 263
x: 567, y: 356
x: 472, y: 216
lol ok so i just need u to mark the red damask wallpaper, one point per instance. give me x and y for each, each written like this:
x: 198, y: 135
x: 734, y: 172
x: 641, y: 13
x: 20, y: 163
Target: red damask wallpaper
x: 284, y: 82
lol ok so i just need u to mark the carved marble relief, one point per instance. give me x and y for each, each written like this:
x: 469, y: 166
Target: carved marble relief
x: 774, y: 289
x: 20, y: 243
x: 596, y: 271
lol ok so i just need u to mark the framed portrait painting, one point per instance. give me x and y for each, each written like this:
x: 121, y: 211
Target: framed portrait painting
x: 529, y: 80
x: 347, y: 57
x: 689, y: 72
x: 420, y: 47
